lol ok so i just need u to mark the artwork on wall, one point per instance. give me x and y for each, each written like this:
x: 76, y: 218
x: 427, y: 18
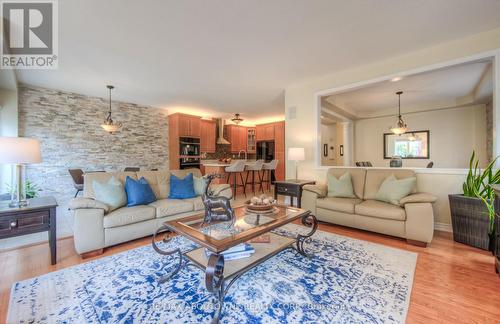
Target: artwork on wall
x: 410, y: 145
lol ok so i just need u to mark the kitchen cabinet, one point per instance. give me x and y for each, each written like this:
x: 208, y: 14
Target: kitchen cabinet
x: 279, y: 149
x: 189, y: 126
x: 265, y: 132
x: 208, y: 136
x: 181, y: 125
x: 251, y: 140
x: 237, y: 136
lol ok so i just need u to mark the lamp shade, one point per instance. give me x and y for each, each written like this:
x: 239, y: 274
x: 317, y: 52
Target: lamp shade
x: 19, y: 150
x: 296, y: 154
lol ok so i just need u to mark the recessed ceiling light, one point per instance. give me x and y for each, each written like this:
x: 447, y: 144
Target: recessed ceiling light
x: 396, y: 79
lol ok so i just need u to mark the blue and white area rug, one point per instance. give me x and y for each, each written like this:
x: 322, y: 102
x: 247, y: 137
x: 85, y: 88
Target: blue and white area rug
x: 346, y: 281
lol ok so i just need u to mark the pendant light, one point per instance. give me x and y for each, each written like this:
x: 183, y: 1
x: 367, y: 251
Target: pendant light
x: 236, y: 119
x: 400, y: 127
x: 109, y: 125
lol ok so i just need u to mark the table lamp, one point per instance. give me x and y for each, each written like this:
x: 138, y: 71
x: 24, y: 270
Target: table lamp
x: 19, y: 151
x: 296, y: 154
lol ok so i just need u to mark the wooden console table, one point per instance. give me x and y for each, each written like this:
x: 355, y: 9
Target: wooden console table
x: 38, y: 216
x: 291, y: 188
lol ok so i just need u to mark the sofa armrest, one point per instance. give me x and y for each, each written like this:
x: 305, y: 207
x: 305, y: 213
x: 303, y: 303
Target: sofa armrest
x: 319, y: 189
x: 419, y: 224
x: 223, y: 189
x: 87, y: 203
x: 420, y: 197
x: 88, y: 230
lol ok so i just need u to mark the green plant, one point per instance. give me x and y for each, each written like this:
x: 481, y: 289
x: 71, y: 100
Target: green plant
x: 478, y: 184
x: 31, y: 189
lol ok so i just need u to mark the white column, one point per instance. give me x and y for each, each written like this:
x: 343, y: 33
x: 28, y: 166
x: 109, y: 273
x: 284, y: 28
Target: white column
x: 496, y: 108
x: 348, y: 134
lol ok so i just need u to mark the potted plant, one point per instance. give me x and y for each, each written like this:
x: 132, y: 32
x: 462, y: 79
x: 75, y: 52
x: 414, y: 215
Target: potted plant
x: 473, y: 212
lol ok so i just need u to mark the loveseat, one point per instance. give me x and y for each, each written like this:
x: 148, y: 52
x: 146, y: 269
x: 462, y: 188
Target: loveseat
x: 95, y: 227
x: 412, y: 218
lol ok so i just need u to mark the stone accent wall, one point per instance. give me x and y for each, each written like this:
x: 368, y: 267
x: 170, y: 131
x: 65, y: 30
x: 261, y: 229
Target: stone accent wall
x: 68, y: 126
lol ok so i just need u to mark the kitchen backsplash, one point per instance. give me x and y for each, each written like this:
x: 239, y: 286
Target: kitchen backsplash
x: 223, y: 151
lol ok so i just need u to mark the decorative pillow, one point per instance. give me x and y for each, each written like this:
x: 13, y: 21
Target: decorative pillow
x: 111, y: 193
x: 341, y: 187
x: 139, y: 192
x: 199, y: 185
x: 182, y: 188
x: 392, y: 189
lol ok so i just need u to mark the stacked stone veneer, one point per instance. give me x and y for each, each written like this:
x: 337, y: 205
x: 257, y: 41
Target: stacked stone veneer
x: 68, y: 126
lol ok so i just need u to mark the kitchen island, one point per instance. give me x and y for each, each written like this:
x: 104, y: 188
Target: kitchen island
x: 217, y: 167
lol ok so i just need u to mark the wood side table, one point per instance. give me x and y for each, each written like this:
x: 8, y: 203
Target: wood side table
x: 38, y: 216
x: 291, y: 188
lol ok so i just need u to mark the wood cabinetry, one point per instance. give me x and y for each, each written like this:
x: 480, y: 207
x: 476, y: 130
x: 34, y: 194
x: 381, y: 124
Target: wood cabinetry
x: 189, y: 126
x: 182, y: 125
x: 265, y: 132
x: 251, y: 140
x: 208, y: 136
x: 237, y: 136
x: 279, y: 149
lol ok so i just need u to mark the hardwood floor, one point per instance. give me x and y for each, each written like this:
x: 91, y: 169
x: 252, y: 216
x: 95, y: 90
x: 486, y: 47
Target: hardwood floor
x: 453, y: 283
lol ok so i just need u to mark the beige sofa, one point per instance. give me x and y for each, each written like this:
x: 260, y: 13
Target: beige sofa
x: 95, y: 228
x: 412, y: 220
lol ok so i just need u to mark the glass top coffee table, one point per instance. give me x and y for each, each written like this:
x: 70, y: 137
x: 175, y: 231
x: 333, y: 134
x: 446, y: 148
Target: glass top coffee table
x: 220, y: 236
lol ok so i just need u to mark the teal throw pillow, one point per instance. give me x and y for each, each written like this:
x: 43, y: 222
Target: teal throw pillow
x: 341, y: 187
x: 393, y: 190
x: 111, y: 193
x: 200, y: 185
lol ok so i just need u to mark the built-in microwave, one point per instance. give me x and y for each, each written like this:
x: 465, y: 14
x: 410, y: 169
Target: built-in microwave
x: 189, y: 146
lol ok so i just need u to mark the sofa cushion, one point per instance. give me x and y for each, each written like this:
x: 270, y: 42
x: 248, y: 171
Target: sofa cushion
x: 375, y: 177
x: 393, y: 190
x: 357, y: 177
x: 103, y: 177
x: 110, y: 193
x: 197, y: 203
x: 345, y: 205
x: 181, y: 188
x: 139, y: 192
x: 168, y: 207
x: 159, y: 182
x: 128, y: 215
x: 341, y: 187
x: 200, y: 184
x: 379, y: 209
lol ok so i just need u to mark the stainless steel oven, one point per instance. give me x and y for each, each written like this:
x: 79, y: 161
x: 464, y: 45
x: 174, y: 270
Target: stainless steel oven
x: 189, y: 163
x: 189, y: 146
x: 189, y: 152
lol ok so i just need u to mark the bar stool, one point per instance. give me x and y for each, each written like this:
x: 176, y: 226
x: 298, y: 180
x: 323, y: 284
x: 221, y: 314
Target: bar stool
x: 236, y: 168
x: 256, y: 167
x: 269, y: 167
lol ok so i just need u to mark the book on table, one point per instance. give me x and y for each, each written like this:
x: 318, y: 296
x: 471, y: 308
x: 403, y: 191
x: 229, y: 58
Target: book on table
x: 243, y: 250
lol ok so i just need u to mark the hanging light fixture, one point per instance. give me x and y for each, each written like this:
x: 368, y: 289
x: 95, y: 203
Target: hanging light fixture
x: 400, y: 127
x: 236, y: 119
x: 109, y: 125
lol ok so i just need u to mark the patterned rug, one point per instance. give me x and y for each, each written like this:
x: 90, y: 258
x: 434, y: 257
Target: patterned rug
x: 346, y: 281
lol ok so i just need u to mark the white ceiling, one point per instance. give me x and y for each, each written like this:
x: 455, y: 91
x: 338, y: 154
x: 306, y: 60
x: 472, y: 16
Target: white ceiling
x: 238, y: 56
x: 458, y: 85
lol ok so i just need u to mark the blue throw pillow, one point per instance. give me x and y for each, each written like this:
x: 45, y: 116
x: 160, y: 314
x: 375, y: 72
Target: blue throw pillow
x: 181, y: 188
x: 139, y: 192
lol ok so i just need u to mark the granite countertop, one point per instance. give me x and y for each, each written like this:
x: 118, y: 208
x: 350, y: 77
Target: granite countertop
x: 217, y: 163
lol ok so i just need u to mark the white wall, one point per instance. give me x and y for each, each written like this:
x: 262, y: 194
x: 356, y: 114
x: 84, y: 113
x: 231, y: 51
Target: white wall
x: 8, y: 127
x: 329, y: 137
x: 454, y: 133
x: 302, y: 131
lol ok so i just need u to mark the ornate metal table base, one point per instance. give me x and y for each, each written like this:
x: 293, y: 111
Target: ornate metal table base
x: 215, y: 282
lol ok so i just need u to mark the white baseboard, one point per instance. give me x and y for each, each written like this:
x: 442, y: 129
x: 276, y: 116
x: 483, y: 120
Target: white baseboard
x: 443, y: 227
